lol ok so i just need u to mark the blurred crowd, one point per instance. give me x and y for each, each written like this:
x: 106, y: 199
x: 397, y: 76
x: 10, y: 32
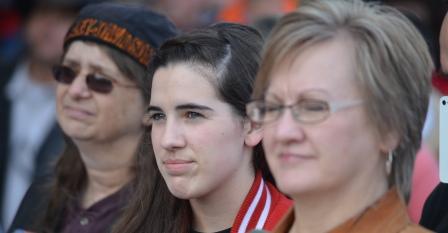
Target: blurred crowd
x: 31, y: 39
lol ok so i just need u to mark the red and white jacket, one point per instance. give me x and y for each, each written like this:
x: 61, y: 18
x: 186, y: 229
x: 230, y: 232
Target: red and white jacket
x: 262, y: 208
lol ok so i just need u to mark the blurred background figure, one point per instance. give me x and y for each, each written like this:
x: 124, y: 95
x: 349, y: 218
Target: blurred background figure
x: 250, y: 11
x: 261, y: 14
x: 10, y: 20
x: 188, y: 15
x: 31, y: 138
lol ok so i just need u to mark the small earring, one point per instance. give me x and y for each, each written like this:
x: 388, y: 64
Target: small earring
x: 389, y: 161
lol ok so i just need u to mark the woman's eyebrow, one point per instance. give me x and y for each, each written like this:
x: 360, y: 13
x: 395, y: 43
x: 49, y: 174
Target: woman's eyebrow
x: 154, y: 108
x: 272, y: 97
x: 182, y: 107
x: 193, y: 106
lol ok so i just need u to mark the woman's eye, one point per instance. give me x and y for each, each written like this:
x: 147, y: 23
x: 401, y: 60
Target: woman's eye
x: 271, y: 108
x: 314, y: 106
x: 193, y: 115
x: 157, y: 116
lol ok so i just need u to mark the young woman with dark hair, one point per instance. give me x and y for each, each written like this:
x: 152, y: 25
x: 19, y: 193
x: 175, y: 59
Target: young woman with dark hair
x: 213, y: 175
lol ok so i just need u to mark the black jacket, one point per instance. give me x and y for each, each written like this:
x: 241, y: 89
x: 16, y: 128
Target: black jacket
x: 435, y: 211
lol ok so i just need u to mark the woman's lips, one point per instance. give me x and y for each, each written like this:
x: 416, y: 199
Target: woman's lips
x: 177, y: 167
x: 77, y: 113
x: 290, y: 158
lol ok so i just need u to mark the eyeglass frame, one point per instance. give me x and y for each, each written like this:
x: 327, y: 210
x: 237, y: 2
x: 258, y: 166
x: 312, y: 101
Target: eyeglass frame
x: 333, y: 107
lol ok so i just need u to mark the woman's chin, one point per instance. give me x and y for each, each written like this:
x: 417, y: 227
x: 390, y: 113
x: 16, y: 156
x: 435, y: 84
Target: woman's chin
x: 180, y: 191
x: 295, y: 187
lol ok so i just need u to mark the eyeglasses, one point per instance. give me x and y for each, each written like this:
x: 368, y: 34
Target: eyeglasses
x: 308, y: 111
x: 66, y: 75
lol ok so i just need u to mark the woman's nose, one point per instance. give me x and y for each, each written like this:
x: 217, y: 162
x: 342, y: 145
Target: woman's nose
x: 287, y: 128
x: 172, y: 137
x: 78, y: 88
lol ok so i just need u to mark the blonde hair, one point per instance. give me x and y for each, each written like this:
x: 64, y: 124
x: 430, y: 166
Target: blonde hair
x: 392, y: 60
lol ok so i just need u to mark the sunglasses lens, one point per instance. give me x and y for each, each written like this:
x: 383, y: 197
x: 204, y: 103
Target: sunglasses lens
x: 66, y: 75
x: 63, y: 74
x: 99, y: 84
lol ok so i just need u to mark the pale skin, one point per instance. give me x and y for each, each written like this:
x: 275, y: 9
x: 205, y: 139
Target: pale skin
x: 211, y: 144
x: 105, y: 129
x: 335, y: 169
x: 108, y: 169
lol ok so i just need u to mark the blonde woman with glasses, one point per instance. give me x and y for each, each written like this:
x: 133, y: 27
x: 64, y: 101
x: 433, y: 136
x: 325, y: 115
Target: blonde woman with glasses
x: 341, y: 97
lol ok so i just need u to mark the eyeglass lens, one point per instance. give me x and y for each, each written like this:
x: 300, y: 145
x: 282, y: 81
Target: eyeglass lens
x: 66, y: 75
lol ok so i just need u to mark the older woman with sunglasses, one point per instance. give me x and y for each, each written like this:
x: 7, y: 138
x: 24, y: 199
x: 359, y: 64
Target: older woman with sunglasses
x: 102, y: 91
x: 341, y: 97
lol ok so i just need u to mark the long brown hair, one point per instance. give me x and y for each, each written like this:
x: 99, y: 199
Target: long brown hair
x: 70, y: 172
x: 233, y: 51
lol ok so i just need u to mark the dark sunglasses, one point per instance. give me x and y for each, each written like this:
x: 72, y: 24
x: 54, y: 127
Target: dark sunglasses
x: 66, y: 75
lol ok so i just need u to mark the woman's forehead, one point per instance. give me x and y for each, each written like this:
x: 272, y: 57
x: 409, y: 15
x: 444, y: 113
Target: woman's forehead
x: 328, y: 66
x: 88, y: 53
x: 182, y: 81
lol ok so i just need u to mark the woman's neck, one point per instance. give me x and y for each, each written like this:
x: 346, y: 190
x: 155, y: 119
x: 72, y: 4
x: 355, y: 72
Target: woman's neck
x: 321, y: 212
x: 109, y: 168
x: 217, y: 210
x: 103, y: 183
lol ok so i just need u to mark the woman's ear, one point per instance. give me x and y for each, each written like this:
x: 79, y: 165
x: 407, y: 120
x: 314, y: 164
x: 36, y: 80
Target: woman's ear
x: 389, y: 142
x: 254, y: 133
